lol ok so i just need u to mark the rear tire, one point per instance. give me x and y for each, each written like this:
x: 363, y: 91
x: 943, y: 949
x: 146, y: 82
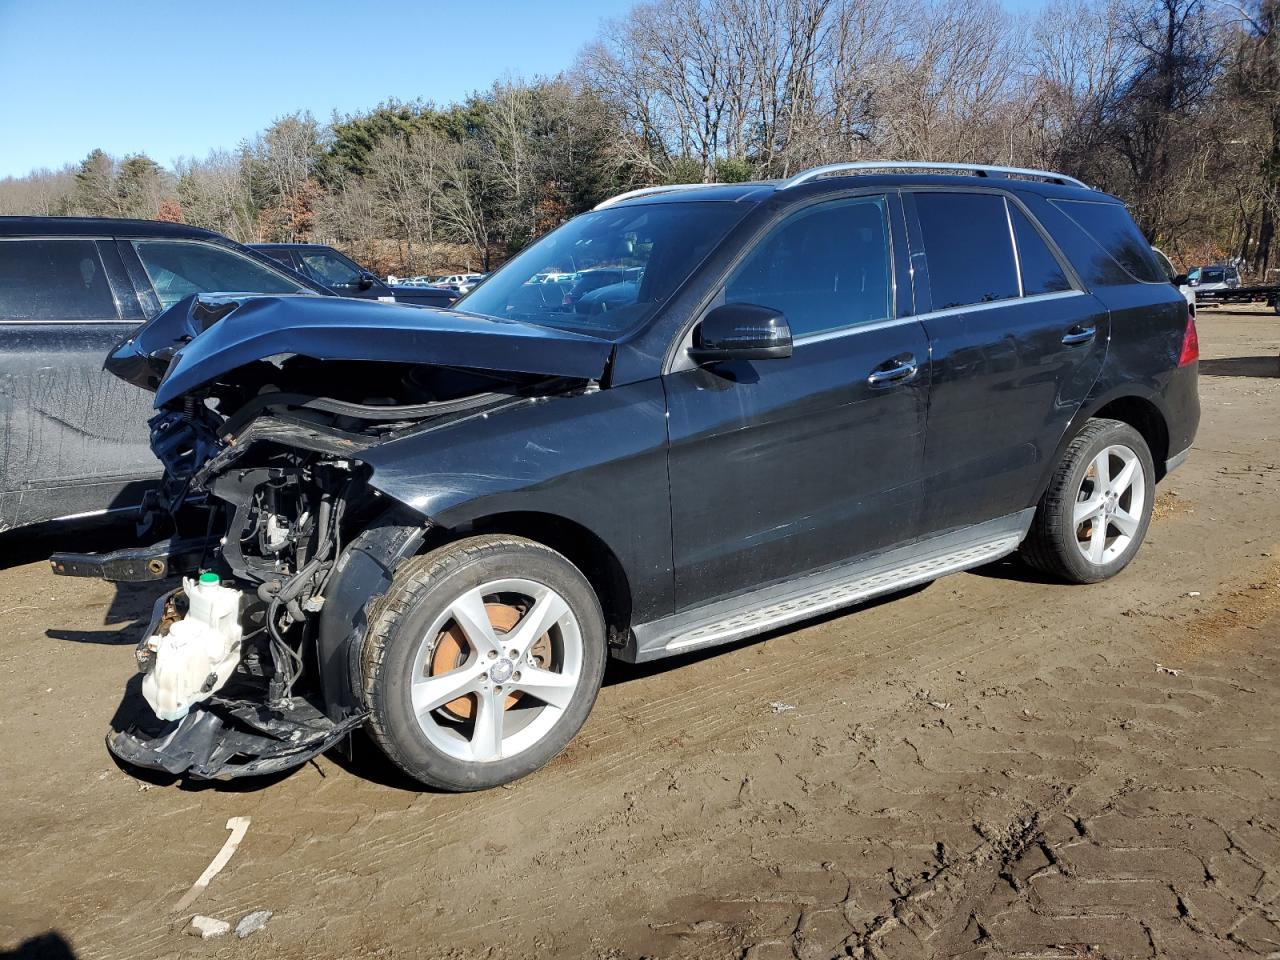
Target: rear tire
x: 1095, y: 513
x: 482, y: 662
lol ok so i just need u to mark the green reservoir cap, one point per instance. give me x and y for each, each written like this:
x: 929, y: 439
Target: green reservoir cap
x: 210, y: 577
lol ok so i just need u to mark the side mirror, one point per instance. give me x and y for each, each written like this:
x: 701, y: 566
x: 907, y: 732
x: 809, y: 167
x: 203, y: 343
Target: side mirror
x: 1181, y: 280
x: 366, y: 280
x: 741, y: 331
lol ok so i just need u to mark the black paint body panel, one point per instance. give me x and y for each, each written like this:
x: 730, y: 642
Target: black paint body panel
x: 706, y: 482
x: 596, y: 459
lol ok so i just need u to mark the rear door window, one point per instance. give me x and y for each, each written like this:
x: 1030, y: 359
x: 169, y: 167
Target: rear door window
x: 968, y: 248
x: 54, y: 279
x: 179, y: 268
x: 827, y: 267
x: 1040, y: 269
x: 1111, y: 227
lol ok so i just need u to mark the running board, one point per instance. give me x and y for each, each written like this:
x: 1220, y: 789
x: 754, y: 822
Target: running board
x: 724, y: 621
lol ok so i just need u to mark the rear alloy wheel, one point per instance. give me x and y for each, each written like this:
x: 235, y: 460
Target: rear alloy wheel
x: 482, y: 662
x: 1109, y: 505
x: 1095, y: 512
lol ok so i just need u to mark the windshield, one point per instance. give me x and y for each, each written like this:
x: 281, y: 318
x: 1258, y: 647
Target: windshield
x: 1211, y: 275
x: 608, y: 271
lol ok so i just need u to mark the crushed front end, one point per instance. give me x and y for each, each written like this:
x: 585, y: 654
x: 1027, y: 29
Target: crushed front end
x: 264, y: 499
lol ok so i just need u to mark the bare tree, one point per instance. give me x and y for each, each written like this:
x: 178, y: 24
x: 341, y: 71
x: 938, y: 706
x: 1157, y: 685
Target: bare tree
x: 216, y: 193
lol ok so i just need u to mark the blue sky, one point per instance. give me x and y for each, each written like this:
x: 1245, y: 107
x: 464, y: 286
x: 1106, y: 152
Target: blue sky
x: 182, y: 77
x: 179, y: 78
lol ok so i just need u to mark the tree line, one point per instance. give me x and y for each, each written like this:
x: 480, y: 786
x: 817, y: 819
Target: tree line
x: 1172, y: 105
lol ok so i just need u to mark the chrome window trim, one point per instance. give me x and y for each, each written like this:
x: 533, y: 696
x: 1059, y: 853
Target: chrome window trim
x: 1013, y: 245
x: 994, y: 304
x: 857, y: 328
x: 852, y: 328
x: 933, y: 315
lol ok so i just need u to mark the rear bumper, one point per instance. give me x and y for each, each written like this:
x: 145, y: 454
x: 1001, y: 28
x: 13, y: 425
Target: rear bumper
x: 1181, y: 396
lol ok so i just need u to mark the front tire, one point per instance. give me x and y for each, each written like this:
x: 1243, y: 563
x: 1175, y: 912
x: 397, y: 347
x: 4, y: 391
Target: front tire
x: 1096, y: 510
x: 482, y: 662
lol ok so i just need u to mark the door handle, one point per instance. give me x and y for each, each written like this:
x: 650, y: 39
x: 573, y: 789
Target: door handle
x: 1079, y: 334
x: 893, y: 371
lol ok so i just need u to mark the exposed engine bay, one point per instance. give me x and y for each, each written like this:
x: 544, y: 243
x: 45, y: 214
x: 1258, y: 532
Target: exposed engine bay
x: 263, y: 491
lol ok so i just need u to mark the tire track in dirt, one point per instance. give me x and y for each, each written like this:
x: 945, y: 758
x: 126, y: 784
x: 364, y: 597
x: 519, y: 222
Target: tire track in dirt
x: 591, y: 778
x: 691, y: 820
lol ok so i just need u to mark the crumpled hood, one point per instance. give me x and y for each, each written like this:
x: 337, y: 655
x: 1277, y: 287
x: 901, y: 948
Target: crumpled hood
x: 200, y: 338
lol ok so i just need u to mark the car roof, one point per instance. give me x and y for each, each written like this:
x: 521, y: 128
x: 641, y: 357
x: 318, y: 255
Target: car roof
x: 100, y: 227
x: 290, y: 246
x: 762, y: 190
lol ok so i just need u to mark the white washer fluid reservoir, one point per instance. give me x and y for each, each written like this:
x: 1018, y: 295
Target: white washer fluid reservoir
x: 200, y: 651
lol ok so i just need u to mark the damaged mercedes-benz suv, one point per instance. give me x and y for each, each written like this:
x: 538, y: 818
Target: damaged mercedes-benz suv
x: 776, y: 400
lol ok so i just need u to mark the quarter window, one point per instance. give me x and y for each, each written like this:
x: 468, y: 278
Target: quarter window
x: 824, y: 268
x: 968, y: 247
x: 179, y: 268
x: 54, y: 279
x: 1111, y: 227
x: 1041, y: 271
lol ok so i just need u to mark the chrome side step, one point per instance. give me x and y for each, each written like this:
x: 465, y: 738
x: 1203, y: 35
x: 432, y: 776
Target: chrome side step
x: 727, y: 620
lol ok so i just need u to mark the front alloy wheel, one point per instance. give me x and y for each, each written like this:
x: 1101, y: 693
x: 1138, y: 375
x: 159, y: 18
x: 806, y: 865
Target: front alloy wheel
x: 496, y: 670
x: 482, y: 661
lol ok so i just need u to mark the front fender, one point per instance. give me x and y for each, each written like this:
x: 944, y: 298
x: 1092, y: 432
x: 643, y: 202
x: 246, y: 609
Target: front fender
x: 597, y: 459
x: 363, y: 574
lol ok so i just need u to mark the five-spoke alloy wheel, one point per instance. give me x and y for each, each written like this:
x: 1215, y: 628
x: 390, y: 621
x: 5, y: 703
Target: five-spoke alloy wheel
x: 1109, y: 504
x: 482, y: 661
x: 1093, y: 516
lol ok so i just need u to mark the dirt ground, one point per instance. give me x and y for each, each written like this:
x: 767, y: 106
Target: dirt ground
x: 992, y: 766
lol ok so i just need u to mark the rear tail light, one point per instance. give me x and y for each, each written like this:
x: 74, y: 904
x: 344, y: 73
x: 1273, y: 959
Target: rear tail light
x: 1190, y: 343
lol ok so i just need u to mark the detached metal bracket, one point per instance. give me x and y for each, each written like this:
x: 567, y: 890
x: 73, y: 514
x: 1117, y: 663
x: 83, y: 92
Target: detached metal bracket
x: 135, y: 564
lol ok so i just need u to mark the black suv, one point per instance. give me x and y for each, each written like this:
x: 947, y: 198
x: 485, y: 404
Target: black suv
x: 439, y: 525
x: 74, y: 438
x: 347, y: 278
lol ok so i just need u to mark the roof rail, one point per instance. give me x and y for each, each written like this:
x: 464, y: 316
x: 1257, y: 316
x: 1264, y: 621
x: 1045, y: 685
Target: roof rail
x: 973, y: 169
x: 648, y: 191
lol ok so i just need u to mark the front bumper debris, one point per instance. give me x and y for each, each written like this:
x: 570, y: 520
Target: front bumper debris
x: 136, y: 564
x: 232, y: 736
x: 235, y: 733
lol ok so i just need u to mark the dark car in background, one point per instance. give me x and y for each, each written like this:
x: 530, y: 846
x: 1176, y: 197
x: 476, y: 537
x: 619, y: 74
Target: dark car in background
x: 73, y: 438
x: 811, y: 392
x: 345, y: 277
